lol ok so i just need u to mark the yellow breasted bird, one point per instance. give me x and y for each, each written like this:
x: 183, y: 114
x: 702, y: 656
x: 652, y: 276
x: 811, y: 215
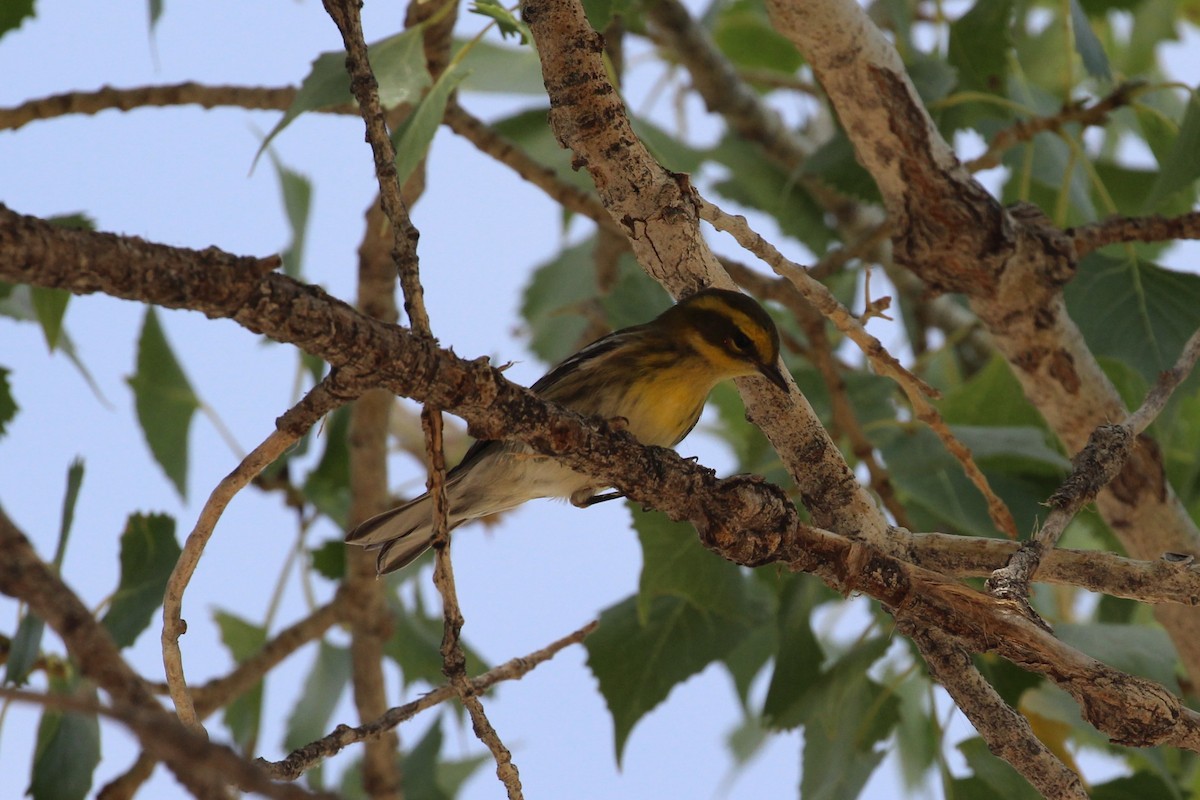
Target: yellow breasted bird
x: 656, y: 376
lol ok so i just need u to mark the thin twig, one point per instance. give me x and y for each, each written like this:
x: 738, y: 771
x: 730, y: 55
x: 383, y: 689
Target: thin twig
x: 884, y: 362
x: 506, y: 152
x: 1152, y: 228
x: 301, y: 760
x: 180, y: 94
x: 323, y: 398
x: 1101, y: 460
x: 1079, y: 113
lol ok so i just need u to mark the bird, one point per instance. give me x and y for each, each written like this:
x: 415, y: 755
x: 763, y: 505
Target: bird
x: 652, y: 379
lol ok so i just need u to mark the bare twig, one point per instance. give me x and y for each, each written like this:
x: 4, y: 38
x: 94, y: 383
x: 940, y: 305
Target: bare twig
x: 1153, y: 228
x: 1170, y: 580
x: 108, y: 97
x: 1107, y: 450
x: 486, y: 140
x: 323, y: 398
x: 300, y: 761
x: 1079, y: 113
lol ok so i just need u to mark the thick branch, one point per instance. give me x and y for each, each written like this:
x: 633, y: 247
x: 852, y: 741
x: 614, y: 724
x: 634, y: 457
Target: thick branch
x: 1006, y: 732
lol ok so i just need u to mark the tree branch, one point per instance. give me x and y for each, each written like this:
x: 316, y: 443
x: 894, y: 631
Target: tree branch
x: 1154, y: 228
x: 1006, y: 732
x: 330, y: 393
x: 300, y: 761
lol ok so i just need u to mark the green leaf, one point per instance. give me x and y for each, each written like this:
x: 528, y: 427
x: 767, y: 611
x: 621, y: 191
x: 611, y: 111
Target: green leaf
x: 848, y: 716
x: 26, y: 645
x: 148, y: 554
x: 529, y: 131
x: 495, y: 68
x: 399, y: 65
x: 758, y: 182
x: 323, y: 687
x: 16, y: 302
x: 798, y: 662
x: 155, y: 12
x: 933, y: 78
x: 834, y: 163
x: 1181, y: 166
x: 638, y: 665
x: 8, y: 406
x: 68, y: 748
x: 1095, y: 61
x: 420, y: 766
x: 70, y: 496
x: 1137, y: 786
x: 600, y: 13
x: 329, y: 560
x: 328, y: 486
x: 13, y: 13
x: 979, y: 44
x: 556, y: 291
x: 50, y: 305
x: 165, y: 401
x: 24, y: 649
x: 667, y: 149
x: 297, y: 201
x: 508, y: 22
x: 1025, y: 447
x: 938, y: 496
x: 243, y: 716
x: 918, y: 732
x: 744, y: 34
x: 746, y: 740
x: 413, y: 137
x: 1134, y: 311
x: 1053, y: 166
x: 1136, y: 649
x: 996, y: 773
x: 675, y: 564
x: 993, y: 396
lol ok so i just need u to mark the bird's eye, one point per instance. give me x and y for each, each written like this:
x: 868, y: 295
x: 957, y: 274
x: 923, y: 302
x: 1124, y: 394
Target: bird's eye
x: 739, y: 341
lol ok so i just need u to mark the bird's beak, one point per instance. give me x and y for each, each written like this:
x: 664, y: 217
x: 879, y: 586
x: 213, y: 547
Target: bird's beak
x: 772, y: 373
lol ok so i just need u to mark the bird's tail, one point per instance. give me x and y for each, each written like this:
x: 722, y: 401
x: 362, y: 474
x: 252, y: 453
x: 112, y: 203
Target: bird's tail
x: 400, y: 534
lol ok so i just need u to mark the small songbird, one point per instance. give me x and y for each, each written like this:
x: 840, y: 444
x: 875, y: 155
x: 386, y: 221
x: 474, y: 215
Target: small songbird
x: 655, y: 377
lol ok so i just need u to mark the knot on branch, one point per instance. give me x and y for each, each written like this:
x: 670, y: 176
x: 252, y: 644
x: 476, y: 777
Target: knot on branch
x: 1096, y: 465
x: 747, y: 520
x: 1133, y: 711
x: 1057, y: 268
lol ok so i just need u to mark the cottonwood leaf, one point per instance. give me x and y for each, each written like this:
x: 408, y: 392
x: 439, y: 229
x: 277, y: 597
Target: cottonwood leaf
x: 165, y: 401
x: 148, y: 555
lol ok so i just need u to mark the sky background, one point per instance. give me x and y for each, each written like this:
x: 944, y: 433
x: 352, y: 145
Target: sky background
x: 183, y: 176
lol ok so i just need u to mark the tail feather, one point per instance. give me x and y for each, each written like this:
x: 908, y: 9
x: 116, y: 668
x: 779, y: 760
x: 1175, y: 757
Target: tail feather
x: 399, y: 553
x: 400, y: 534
